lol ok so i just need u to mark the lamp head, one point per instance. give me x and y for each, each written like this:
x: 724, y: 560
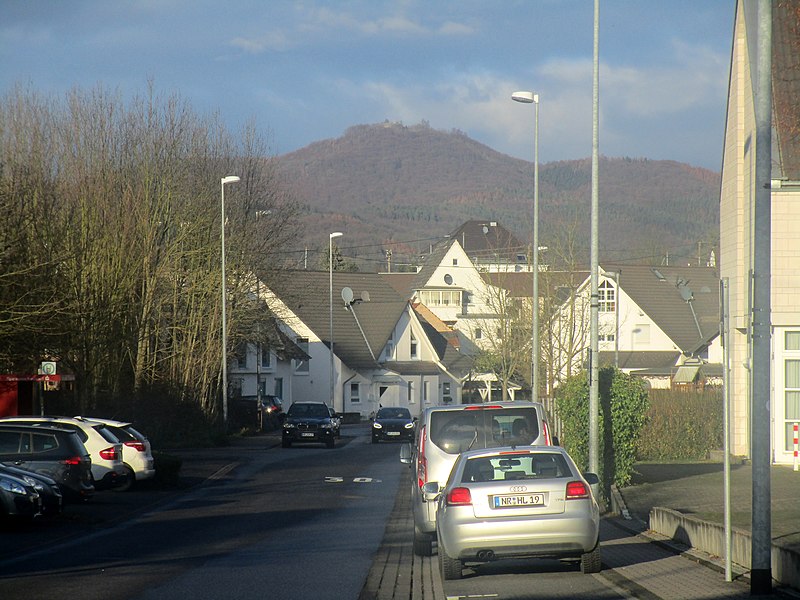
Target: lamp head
x: 230, y: 179
x: 525, y: 97
x: 336, y: 234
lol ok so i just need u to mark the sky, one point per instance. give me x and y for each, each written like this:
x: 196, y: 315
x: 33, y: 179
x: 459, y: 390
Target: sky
x: 306, y: 70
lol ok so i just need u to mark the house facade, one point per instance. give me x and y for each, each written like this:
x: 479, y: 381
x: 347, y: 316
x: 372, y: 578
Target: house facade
x: 737, y: 239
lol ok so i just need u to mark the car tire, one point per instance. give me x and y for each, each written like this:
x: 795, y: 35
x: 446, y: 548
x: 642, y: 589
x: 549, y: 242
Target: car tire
x: 590, y: 561
x: 331, y: 443
x: 286, y: 443
x: 128, y: 482
x: 451, y: 567
x: 423, y: 544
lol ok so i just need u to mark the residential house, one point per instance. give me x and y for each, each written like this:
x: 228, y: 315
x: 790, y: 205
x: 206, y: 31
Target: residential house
x: 658, y: 323
x: 383, y: 353
x: 737, y: 236
x: 492, y: 248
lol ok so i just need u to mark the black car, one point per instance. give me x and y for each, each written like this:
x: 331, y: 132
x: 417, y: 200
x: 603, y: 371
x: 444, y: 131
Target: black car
x: 18, y: 499
x: 51, y: 497
x: 52, y: 451
x: 393, y: 423
x: 308, y: 422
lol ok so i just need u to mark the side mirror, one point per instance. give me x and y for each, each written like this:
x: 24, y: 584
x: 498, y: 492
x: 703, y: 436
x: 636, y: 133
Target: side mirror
x: 430, y: 491
x: 405, y: 454
x: 591, y: 478
x: 415, y: 419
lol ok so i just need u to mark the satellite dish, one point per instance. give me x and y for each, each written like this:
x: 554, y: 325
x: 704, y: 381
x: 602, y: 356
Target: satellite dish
x: 448, y: 279
x: 365, y: 296
x: 347, y: 295
x: 686, y: 293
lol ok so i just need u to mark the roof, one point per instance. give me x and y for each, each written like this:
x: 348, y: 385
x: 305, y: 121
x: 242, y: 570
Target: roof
x: 682, y: 301
x: 402, y: 283
x: 654, y: 362
x: 306, y: 293
x: 786, y: 87
x: 488, y: 241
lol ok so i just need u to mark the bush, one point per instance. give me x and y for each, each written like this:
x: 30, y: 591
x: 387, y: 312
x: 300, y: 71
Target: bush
x: 682, y: 425
x: 622, y: 412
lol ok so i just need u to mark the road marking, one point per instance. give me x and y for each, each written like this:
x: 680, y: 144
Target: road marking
x: 355, y: 480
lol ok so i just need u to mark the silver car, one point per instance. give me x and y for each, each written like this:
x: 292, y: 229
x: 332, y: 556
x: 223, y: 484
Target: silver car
x: 516, y: 502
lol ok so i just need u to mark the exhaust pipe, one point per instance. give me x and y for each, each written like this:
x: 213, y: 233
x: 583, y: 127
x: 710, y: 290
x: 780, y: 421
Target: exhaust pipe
x: 485, y: 555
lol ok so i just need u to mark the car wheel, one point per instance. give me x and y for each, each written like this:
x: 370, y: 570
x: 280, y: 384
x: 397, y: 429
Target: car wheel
x: 286, y: 443
x: 331, y: 442
x: 128, y: 481
x: 590, y: 561
x: 423, y: 544
x: 450, y: 567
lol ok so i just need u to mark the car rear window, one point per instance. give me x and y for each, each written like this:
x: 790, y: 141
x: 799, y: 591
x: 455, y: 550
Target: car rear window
x: 107, y: 435
x: 456, y: 431
x: 515, y: 467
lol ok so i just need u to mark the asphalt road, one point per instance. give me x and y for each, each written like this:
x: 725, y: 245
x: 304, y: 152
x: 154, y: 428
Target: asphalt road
x: 303, y: 522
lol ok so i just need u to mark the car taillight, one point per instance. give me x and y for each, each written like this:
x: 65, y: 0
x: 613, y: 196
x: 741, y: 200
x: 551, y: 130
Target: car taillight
x: 547, y: 440
x: 459, y: 496
x: 138, y: 446
x: 422, y: 462
x: 72, y: 460
x: 577, y: 490
x: 109, y: 453
x: 482, y: 406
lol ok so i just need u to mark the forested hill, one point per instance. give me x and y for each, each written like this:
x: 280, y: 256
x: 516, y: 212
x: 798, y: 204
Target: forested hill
x: 403, y: 187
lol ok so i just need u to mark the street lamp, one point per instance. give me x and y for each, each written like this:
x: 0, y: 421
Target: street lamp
x: 333, y: 235
x: 223, y: 181
x: 531, y: 98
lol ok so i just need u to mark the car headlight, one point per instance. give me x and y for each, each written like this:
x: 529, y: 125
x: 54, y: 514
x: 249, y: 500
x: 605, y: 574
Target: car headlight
x: 289, y: 425
x: 326, y: 426
x: 34, y: 483
x: 377, y: 426
x: 12, y: 486
x: 408, y: 426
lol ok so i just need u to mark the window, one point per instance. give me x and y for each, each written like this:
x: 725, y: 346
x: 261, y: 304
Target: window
x: 410, y: 393
x: 425, y: 397
x: 446, y: 397
x: 388, y: 352
x: 478, y: 333
x: 241, y: 356
x: 262, y: 387
x: 413, y: 349
x: 279, y: 387
x: 266, y: 357
x: 792, y: 397
x: 354, y: 393
x: 440, y: 297
x: 301, y: 365
x: 607, y: 296
x: 455, y: 262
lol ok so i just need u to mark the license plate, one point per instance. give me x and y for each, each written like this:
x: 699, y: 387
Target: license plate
x: 305, y: 434
x: 511, y: 501
x: 392, y: 433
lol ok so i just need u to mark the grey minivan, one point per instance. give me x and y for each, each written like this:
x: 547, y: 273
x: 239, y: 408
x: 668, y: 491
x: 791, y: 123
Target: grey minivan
x: 443, y: 432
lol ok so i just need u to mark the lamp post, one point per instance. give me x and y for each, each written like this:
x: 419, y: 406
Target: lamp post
x: 333, y: 235
x: 531, y: 98
x: 223, y: 181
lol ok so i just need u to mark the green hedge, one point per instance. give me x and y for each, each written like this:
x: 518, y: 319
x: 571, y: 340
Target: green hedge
x: 622, y: 412
x: 682, y: 425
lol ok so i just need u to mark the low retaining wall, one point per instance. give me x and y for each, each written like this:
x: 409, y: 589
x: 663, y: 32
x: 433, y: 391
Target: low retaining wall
x: 710, y: 537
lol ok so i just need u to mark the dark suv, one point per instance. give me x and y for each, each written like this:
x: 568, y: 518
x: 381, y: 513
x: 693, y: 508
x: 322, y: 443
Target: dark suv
x: 309, y: 422
x: 52, y: 451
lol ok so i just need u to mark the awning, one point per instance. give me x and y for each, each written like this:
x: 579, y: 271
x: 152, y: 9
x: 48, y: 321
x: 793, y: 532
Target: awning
x: 686, y: 374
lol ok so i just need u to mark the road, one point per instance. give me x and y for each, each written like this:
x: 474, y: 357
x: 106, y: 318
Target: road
x: 303, y: 522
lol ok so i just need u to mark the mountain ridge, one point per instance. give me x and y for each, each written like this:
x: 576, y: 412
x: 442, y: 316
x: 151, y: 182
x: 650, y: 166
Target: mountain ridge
x: 399, y: 187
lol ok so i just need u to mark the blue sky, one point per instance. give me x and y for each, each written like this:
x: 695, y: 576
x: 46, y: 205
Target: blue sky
x: 307, y: 70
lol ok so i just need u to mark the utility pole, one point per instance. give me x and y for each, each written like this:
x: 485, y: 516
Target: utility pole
x: 761, y: 551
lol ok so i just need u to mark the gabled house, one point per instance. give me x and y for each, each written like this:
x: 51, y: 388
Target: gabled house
x: 737, y: 238
x: 492, y: 248
x: 383, y: 353
x: 659, y: 323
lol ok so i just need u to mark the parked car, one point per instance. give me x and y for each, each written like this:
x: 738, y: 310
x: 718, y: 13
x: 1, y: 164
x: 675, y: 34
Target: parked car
x: 18, y: 498
x: 52, y: 500
x: 393, y: 424
x: 52, y: 451
x: 103, y: 446
x: 336, y: 419
x: 137, y: 453
x: 308, y: 422
x: 443, y: 432
x: 515, y: 502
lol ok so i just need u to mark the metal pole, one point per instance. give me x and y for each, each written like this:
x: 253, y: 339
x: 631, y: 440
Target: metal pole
x: 761, y: 573
x: 535, y: 312
x: 616, y: 320
x: 330, y: 307
x: 724, y: 332
x: 594, y: 388
x: 223, y: 181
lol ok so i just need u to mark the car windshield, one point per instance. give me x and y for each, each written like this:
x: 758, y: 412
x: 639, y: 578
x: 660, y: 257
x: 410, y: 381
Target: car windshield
x: 393, y: 413
x: 514, y: 467
x: 455, y: 431
x: 309, y: 410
